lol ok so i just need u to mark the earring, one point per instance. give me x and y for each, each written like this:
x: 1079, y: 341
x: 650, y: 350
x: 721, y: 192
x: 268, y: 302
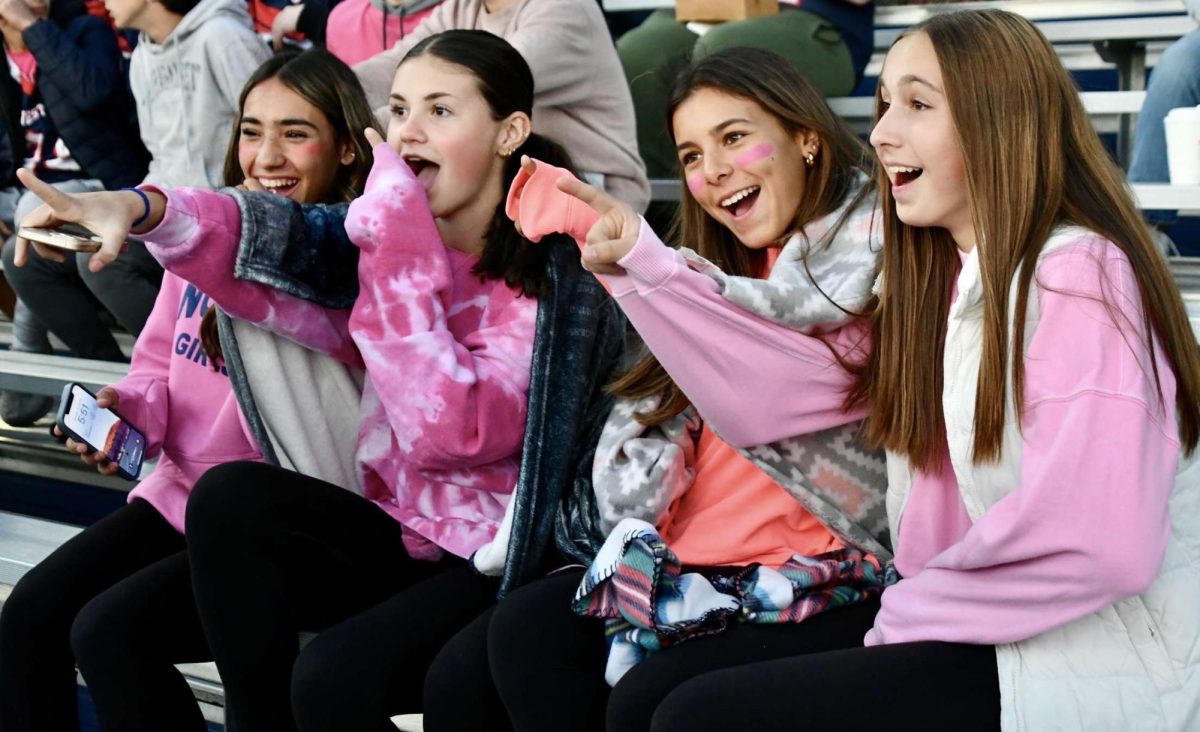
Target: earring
x: 809, y: 160
x: 505, y: 153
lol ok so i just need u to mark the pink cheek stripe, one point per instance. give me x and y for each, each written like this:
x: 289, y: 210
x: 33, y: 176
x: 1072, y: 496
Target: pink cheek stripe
x: 695, y: 183
x: 756, y: 153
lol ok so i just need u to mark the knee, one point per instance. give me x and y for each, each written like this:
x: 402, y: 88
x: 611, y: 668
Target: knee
x: 725, y: 35
x: 95, y: 638
x: 656, y: 46
x: 217, y: 497
x: 316, y: 703
x: 9, y: 251
x: 1179, y: 65
x: 14, y: 274
x: 29, y: 615
x: 685, y: 708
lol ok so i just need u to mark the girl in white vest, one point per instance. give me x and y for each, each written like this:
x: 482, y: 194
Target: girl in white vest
x: 1027, y: 363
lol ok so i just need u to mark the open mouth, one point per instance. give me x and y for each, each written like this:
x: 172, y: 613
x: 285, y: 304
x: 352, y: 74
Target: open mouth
x: 423, y: 169
x: 903, y: 175
x: 740, y: 203
x: 280, y: 186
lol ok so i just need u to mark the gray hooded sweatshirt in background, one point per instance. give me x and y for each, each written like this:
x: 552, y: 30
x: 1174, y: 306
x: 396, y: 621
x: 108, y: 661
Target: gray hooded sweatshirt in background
x: 187, y: 91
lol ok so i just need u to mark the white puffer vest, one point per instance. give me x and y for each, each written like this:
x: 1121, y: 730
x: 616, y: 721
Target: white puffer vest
x: 1131, y: 666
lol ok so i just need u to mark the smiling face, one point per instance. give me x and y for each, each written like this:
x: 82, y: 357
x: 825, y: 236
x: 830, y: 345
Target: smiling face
x: 443, y: 127
x: 743, y: 168
x: 288, y: 145
x: 918, y: 144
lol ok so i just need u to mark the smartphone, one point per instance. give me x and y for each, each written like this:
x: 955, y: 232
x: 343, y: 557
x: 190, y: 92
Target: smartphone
x: 72, y: 240
x: 101, y: 429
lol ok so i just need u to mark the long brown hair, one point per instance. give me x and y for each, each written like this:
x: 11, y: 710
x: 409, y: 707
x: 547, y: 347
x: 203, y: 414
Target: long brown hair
x: 780, y: 89
x: 1032, y: 162
x: 326, y: 82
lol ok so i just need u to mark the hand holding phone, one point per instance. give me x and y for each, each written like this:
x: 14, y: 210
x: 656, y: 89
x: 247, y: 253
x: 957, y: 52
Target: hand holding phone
x: 61, y: 238
x: 98, y: 434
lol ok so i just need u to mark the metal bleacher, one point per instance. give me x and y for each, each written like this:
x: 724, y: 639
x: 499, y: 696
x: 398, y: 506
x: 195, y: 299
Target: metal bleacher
x: 1125, y: 35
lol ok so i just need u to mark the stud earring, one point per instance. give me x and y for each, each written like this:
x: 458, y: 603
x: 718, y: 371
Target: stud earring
x: 809, y: 160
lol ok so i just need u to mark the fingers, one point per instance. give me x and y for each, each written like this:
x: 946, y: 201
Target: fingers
x: 21, y: 253
x: 111, y: 245
x: 252, y: 184
x: 597, y: 200
x: 374, y: 139
x: 600, y: 254
x: 107, y: 398
x: 603, y: 269
x: 61, y: 204
x: 528, y: 165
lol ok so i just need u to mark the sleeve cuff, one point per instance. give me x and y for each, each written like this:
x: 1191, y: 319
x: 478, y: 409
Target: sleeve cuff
x: 180, y: 220
x: 650, y: 263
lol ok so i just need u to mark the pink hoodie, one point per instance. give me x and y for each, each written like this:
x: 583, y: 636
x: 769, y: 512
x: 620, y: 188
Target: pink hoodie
x: 186, y: 409
x: 447, y: 355
x: 1086, y: 527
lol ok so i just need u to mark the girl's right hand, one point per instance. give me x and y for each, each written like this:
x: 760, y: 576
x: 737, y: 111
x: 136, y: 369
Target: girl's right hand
x: 109, y: 215
x: 107, y: 398
x: 613, y: 235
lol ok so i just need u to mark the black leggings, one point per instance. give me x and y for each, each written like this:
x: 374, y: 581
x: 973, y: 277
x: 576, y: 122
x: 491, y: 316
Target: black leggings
x: 116, y: 600
x: 274, y: 553
x: 547, y: 673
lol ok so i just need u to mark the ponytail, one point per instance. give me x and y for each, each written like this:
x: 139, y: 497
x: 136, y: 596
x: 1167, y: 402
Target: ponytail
x: 507, y: 255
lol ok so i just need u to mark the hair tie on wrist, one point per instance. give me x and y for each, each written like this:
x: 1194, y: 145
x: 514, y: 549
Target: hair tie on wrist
x: 145, y: 202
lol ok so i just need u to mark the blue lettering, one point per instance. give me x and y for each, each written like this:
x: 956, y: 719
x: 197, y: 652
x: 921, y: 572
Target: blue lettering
x: 191, y: 354
x: 181, y: 344
x: 190, y: 301
x: 201, y: 357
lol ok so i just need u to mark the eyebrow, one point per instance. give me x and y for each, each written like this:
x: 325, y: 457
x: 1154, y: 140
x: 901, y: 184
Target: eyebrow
x: 914, y: 79
x: 284, y: 122
x: 428, y: 97
x: 716, y: 130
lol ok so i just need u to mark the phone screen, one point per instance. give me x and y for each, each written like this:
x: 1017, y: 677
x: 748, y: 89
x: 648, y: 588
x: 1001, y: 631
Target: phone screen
x: 105, y: 432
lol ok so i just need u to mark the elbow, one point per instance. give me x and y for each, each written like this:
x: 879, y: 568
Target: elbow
x: 1128, y: 570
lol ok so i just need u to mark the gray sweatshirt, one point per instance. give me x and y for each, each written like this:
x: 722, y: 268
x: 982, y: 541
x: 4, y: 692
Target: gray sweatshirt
x: 187, y: 91
x: 580, y: 97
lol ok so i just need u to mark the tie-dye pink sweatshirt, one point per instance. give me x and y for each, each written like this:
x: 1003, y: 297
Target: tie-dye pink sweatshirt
x: 447, y: 355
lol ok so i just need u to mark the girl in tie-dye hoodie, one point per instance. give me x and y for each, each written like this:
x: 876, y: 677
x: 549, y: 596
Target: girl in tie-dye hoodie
x: 443, y: 326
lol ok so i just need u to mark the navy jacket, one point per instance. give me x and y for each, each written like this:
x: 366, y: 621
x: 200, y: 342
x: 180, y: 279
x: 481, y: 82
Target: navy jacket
x: 86, y: 93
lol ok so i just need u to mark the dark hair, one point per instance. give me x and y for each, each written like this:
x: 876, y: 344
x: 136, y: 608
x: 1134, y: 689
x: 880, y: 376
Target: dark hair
x: 777, y: 86
x: 179, y: 7
x: 506, y: 84
x: 326, y: 82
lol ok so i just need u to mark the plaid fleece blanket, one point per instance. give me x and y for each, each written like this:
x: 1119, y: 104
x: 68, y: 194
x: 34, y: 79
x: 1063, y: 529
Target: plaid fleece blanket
x: 636, y: 584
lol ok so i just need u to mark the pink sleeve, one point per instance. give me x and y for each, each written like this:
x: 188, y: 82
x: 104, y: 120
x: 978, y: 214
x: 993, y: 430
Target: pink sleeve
x: 1088, y: 524
x: 143, y: 393
x: 449, y: 402
x: 722, y: 355
x: 198, y: 241
x: 710, y: 346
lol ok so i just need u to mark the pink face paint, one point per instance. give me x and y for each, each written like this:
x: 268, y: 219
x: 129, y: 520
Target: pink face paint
x: 696, y: 183
x: 756, y: 153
